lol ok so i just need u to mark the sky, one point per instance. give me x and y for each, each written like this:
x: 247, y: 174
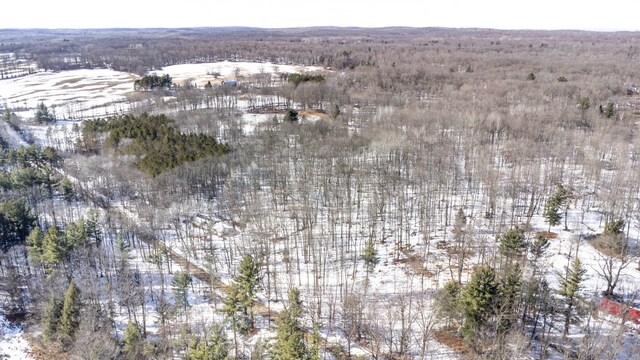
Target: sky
x: 496, y: 14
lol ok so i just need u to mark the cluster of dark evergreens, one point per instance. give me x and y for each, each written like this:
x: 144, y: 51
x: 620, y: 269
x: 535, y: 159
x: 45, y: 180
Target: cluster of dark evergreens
x: 151, y: 82
x: 159, y: 145
x: 26, y: 175
x: 16, y: 220
x: 27, y: 167
x: 297, y: 79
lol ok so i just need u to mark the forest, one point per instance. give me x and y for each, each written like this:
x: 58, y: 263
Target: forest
x: 403, y: 193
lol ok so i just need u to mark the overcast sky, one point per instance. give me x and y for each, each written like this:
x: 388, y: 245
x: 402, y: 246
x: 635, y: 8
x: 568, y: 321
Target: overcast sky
x: 497, y: 14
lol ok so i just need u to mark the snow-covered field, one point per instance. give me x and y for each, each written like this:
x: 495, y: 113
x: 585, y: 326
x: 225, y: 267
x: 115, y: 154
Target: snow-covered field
x: 74, y: 94
x: 91, y: 93
x: 200, y: 74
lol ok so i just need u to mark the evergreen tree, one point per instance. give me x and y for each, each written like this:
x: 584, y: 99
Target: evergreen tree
x: 314, y: 343
x: 447, y: 301
x: 584, y: 103
x: 75, y: 235
x: 552, y: 207
x: 370, y: 256
x: 335, y: 111
x: 7, y: 114
x: 609, y: 110
x: 70, y: 315
x: 509, y: 290
x: 477, y: 301
x: 239, y: 302
x: 16, y: 222
x: 66, y: 187
x: 289, y: 343
x: 91, y: 229
x: 512, y: 243
x: 248, y: 277
x: 539, y: 245
x: 291, y: 115
x: 43, y: 115
x: 459, y: 225
x: 180, y: 282
x: 570, y: 285
x: 614, y: 227
x: 34, y: 243
x: 214, y: 346
x: 52, y: 249
x: 51, y: 318
x: 132, y: 340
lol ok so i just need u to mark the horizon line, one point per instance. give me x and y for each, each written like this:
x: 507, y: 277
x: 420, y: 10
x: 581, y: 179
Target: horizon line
x: 318, y: 27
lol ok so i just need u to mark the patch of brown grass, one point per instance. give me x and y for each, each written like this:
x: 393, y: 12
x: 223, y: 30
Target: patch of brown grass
x: 415, y: 262
x: 609, y: 245
x: 547, y: 234
x: 449, y: 338
x: 42, y: 351
x: 311, y: 112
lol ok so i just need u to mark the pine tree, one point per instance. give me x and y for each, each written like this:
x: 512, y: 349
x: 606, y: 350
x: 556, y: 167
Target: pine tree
x: 477, y: 300
x: 584, y: 103
x: 132, y: 339
x: 241, y: 297
x: 66, y: 187
x: 52, y: 249
x: 75, y: 234
x: 512, y: 243
x: 291, y: 115
x: 609, y: 110
x: 91, y: 229
x: 34, y: 243
x: 448, y: 302
x: 180, y: 282
x: 289, y: 343
x: 248, y: 277
x: 69, y: 318
x: 236, y: 310
x: 539, y: 245
x: 242, y: 294
x: 370, y: 256
x: 43, y: 115
x: 552, y: 212
x: 552, y: 207
x: 509, y: 295
x: 214, y: 346
x: 459, y: 224
x: 614, y: 227
x: 51, y: 318
x: 570, y: 285
x: 314, y: 343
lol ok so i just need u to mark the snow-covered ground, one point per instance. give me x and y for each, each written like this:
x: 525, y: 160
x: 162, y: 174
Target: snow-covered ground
x: 12, y: 67
x: 200, y: 74
x: 13, y: 345
x: 391, y: 279
x: 74, y: 94
x: 91, y: 93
